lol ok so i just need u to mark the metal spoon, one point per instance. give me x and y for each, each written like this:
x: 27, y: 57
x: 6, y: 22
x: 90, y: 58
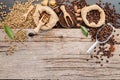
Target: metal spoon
x: 99, y: 42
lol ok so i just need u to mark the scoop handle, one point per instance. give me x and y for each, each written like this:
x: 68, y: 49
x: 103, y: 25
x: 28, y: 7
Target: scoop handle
x: 92, y: 47
x: 63, y: 9
x: 38, y: 27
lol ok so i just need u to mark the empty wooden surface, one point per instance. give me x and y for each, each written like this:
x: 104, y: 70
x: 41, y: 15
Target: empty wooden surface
x: 59, y: 54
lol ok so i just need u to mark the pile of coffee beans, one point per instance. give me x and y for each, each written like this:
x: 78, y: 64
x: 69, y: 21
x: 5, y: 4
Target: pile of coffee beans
x: 93, y: 16
x: 104, y: 33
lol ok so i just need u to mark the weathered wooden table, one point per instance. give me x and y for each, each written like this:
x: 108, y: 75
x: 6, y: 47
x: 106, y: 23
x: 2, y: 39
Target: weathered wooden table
x: 59, y: 54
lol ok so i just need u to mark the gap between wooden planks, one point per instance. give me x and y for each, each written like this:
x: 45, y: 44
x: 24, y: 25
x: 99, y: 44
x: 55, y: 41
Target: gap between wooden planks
x: 56, y: 54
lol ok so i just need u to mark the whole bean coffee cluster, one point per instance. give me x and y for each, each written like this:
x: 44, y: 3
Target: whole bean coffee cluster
x: 93, y: 16
x: 104, y: 33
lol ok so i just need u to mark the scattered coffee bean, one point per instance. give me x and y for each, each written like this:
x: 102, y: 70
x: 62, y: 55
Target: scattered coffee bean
x: 87, y: 59
x: 118, y: 34
x: 101, y: 65
x: 101, y: 59
x: 94, y: 50
x: 107, y: 61
x: 98, y: 62
x: 96, y: 57
x: 91, y: 56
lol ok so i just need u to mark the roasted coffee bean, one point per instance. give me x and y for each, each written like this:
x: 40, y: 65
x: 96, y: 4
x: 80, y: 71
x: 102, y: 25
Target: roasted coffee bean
x: 118, y: 34
x: 91, y: 56
x: 101, y: 65
x: 87, y: 59
x: 107, y: 61
x: 96, y: 57
x: 98, y: 62
x: 101, y: 59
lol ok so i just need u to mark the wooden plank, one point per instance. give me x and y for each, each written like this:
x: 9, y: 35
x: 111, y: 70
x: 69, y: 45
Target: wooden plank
x: 53, y: 35
x: 56, y: 60
x: 57, y: 35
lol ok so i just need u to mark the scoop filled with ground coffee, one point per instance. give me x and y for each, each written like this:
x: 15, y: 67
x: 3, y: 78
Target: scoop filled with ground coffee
x: 103, y: 35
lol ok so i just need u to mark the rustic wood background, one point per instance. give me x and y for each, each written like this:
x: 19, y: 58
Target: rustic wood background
x: 59, y: 54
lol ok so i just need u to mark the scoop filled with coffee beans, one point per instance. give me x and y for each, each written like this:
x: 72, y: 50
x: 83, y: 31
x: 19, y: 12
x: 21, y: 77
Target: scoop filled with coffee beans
x: 103, y: 35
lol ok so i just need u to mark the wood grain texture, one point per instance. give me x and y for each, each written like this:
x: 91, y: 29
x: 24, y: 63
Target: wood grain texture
x: 48, y: 56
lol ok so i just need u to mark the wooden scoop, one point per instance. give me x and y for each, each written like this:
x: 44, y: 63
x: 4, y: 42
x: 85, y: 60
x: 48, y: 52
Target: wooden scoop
x: 43, y: 21
x: 66, y: 15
